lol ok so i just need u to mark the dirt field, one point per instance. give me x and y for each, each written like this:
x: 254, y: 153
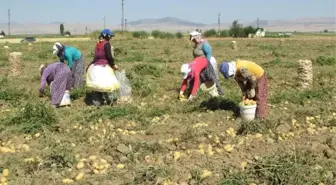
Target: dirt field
x: 159, y: 140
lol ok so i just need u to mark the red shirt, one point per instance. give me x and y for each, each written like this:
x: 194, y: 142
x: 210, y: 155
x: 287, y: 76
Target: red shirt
x: 197, y: 66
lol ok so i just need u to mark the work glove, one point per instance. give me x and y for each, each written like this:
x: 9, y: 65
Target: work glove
x: 251, y: 93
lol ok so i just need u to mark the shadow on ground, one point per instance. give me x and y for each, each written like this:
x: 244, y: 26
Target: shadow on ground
x: 97, y: 98
x: 221, y: 104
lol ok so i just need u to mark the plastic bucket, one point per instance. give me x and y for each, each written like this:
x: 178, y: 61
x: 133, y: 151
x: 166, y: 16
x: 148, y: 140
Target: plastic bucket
x: 247, y: 112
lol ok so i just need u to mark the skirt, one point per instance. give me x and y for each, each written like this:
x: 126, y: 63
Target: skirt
x: 61, y: 83
x: 208, y: 74
x: 78, y: 69
x: 261, y: 97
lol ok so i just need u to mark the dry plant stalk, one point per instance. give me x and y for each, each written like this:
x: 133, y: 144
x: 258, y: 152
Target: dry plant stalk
x: 30, y: 46
x: 234, y: 45
x: 15, y: 60
x: 305, y: 72
x: 6, y: 50
x: 281, y: 42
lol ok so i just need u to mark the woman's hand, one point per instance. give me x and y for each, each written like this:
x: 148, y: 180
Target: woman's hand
x: 251, y: 93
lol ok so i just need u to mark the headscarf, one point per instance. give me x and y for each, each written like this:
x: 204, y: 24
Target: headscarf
x: 42, y: 67
x: 197, y: 36
x: 58, y: 48
x: 185, y: 70
x: 228, y: 69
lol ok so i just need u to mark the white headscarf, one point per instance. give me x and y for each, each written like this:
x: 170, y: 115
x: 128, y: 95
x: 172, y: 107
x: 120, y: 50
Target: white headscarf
x: 195, y: 35
x: 232, y: 68
x: 41, y: 67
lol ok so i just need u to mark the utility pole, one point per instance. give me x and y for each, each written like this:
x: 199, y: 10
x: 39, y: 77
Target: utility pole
x: 9, y: 22
x: 104, y: 22
x: 125, y: 24
x: 122, y: 16
x: 257, y: 22
x: 219, y: 14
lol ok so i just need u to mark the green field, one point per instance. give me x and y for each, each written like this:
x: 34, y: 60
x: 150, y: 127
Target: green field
x: 159, y: 140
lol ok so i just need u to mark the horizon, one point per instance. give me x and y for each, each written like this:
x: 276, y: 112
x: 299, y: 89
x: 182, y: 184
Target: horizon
x: 63, y: 11
x: 226, y: 22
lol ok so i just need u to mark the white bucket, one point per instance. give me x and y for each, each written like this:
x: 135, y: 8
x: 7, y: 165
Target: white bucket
x: 247, y: 112
x: 66, y: 99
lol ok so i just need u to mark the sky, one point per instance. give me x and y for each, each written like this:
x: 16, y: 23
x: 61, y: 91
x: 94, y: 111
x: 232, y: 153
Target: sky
x: 203, y: 11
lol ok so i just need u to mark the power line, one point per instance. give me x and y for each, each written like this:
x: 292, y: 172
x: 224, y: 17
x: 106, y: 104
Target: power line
x: 122, y: 15
x: 9, y: 21
x: 125, y: 24
x: 219, y: 14
x: 104, y: 22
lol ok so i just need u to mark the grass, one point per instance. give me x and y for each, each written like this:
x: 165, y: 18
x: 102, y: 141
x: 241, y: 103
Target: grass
x: 294, y: 145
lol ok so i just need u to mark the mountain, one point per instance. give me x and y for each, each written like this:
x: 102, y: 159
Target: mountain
x: 166, y: 20
x: 174, y: 24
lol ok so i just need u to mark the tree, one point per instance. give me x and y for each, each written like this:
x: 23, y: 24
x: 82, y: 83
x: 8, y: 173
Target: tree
x: 249, y: 30
x: 2, y: 33
x: 179, y: 35
x: 325, y: 31
x: 210, y: 33
x: 62, y: 29
x: 67, y: 33
x: 237, y: 29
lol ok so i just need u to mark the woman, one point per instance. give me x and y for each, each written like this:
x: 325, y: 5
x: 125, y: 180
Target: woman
x: 192, y: 72
x: 252, y: 81
x: 203, y: 48
x: 75, y: 62
x: 103, y: 56
x: 58, y: 76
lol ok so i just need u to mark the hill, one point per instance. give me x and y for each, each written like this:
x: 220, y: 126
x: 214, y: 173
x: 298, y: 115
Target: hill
x: 316, y: 24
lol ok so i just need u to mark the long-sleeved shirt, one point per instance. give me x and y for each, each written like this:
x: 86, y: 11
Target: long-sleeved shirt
x: 70, y: 54
x: 108, y: 52
x: 47, y: 76
x: 103, y: 54
x: 203, y: 49
x: 197, y: 66
x: 207, y: 50
x: 247, y: 71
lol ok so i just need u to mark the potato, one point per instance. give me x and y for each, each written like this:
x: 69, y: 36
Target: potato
x: 120, y: 166
x: 80, y: 165
x: 79, y: 176
x: 5, y: 172
x: 67, y: 181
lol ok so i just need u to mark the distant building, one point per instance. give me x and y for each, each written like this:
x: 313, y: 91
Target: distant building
x: 260, y: 33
